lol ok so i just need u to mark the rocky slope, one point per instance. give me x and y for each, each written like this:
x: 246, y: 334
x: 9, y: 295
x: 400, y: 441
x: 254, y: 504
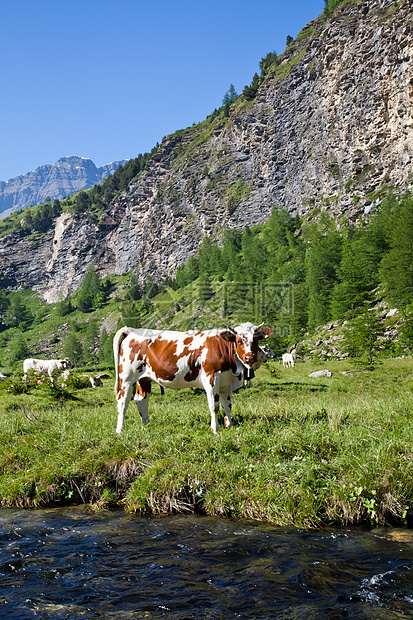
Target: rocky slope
x: 330, y: 129
x: 66, y: 176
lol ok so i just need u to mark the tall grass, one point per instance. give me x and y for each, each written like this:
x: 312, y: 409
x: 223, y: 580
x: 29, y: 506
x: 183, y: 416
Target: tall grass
x: 302, y: 451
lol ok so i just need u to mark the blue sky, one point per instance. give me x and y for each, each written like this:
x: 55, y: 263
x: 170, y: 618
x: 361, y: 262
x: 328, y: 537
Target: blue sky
x: 108, y: 79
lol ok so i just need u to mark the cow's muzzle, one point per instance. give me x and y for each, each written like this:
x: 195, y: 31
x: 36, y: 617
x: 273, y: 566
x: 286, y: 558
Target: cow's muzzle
x: 249, y: 359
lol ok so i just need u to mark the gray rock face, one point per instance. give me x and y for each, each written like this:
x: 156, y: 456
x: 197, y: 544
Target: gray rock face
x: 329, y: 130
x: 66, y: 176
x: 55, y: 262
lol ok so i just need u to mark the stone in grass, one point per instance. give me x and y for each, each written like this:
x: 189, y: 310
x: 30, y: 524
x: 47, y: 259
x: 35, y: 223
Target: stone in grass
x: 320, y: 373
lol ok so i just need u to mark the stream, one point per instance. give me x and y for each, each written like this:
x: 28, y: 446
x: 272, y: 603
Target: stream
x: 70, y: 563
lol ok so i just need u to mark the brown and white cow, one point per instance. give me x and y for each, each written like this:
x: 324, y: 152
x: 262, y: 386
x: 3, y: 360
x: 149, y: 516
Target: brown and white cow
x: 213, y: 360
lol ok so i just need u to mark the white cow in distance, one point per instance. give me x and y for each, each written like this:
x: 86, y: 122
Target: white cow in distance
x: 288, y: 360
x: 46, y: 367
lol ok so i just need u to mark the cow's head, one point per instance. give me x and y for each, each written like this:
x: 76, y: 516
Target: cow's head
x: 267, y: 352
x: 246, y: 337
x: 66, y: 364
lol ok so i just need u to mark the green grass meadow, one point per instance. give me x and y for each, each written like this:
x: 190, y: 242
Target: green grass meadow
x: 302, y: 451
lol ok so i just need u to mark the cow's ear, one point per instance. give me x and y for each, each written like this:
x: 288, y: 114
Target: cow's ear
x: 228, y: 335
x: 265, y: 332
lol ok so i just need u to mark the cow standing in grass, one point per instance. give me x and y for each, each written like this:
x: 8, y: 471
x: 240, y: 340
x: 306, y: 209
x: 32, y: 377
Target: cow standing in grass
x: 46, y: 367
x: 212, y: 360
x: 288, y: 360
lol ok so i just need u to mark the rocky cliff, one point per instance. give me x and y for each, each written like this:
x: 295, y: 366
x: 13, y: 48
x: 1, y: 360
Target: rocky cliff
x: 66, y: 176
x: 330, y: 129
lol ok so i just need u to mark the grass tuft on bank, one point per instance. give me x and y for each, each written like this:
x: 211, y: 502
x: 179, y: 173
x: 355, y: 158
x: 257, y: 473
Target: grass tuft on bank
x: 302, y: 451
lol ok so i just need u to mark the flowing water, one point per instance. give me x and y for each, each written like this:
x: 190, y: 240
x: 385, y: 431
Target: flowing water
x: 72, y: 563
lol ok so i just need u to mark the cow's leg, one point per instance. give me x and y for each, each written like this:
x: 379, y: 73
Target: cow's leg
x: 226, y: 406
x: 143, y: 389
x: 213, y: 402
x: 123, y: 398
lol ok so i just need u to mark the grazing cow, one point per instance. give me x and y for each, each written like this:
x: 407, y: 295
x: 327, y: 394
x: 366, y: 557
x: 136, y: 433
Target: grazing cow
x: 288, y: 360
x: 212, y: 360
x: 102, y: 375
x: 265, y: 353
x: 46, y: 367
x: 95, y: 381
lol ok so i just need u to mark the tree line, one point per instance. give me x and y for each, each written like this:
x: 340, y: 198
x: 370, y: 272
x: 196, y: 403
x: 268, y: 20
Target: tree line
x: 315, y: 272
x: 96, y: 200
x: 84, y: 341
x: 331, y: 273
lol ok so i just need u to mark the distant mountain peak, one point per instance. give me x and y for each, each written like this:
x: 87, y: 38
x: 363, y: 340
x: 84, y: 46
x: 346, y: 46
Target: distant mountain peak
x: 68, y: 175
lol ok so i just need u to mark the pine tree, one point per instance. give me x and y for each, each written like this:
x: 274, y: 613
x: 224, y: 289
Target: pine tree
x: 204, y: 256
x: 379, y: 231
x: 215, y: 261
x: 28, y: 221
x: 355, y: 277
x: 270, y: 60
x: 56, y: 208
x: 284, y: 251
x: 134, y: 289
x: 253, y: 255
x: 17, y: 313
x: 64, y: 307
x: 205, y: 289
x: 396, y: 268
x: 101, y: 350
x: 250, y: 91
x: 406, y: 327
x: 18, y: 349
x: 108, y: 351
x: 229, y: 98
x: 151, y: 287
x: 189, y: 272
x: 4, y: 304
x: 299, y: 318
x: 87, y: 297
x: 363, y: 338
x: 232, y: 94
x: 231, y: 252
x: 322, y: 264
x: 82, y: 202
x: 73, y: 349
x: 133, y: 313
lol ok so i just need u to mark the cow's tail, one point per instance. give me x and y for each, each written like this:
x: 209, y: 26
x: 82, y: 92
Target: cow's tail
x: 117, y: 340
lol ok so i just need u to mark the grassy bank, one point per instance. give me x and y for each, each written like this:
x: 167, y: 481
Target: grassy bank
x: 302, y: 451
